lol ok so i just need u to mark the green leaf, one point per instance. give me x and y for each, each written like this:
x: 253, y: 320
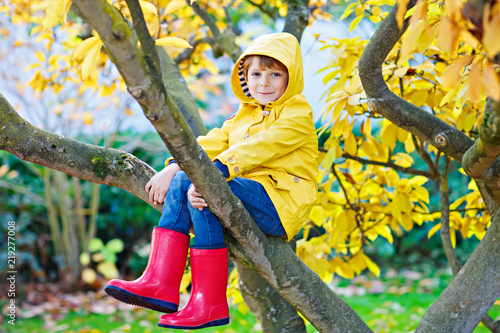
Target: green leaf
x: 115, y: 245
x: 95, y: 245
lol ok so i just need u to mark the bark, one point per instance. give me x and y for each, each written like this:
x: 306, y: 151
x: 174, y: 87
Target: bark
x: 273, y: 312
x: 96, y: 164
x: 297, y: 17
x: 476, y: 287
x: 269, y: 256
x: 178, y: 90
x: 472, y: 292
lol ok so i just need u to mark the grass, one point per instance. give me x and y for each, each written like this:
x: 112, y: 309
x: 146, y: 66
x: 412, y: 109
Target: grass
x: 395, y: 304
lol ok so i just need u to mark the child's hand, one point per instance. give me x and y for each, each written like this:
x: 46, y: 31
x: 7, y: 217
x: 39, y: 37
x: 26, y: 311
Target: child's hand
x: 158, y: 185
x: 196, y: 199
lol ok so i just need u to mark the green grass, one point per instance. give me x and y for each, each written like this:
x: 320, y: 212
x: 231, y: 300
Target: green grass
x: 397, y: 309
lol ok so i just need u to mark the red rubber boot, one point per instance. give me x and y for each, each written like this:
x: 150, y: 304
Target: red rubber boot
x: 208, y: 303
x: 158, y: 287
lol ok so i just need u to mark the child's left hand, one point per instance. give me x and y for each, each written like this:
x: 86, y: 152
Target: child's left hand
x: 196, y: 199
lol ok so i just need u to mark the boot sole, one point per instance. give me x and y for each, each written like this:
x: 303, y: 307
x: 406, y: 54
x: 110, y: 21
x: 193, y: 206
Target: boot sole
x: 145, y: 302
x: 218, y: 322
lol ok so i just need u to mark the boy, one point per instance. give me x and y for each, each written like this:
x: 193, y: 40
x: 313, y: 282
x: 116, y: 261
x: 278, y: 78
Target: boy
x: 267, y: 152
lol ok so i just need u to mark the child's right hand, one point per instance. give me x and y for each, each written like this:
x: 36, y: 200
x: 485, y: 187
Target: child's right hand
x: 158, y: 185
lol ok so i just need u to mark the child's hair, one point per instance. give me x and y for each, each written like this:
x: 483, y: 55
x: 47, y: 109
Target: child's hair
x: 263, y: 62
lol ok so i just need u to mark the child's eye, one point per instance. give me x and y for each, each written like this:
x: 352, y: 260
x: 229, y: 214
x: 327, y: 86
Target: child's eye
x: 255, y: 74
x: 276, y: 74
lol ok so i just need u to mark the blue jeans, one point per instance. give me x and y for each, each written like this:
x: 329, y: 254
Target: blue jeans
x: 178, y: 213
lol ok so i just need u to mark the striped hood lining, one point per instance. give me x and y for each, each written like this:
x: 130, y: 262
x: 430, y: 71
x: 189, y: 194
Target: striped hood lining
x: 243, y: 82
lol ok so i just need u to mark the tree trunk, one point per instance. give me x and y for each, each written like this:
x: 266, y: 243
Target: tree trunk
x: 472, y: 292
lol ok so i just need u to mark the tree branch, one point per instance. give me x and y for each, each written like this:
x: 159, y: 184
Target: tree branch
x: 411, y: 171
x: 224, y: 42
x: 444, y: 195
x: 263, y: 9
x: 188, y: 52
x: 400, y: 112
x: 297, y: 17
x: 96, y: 164
x: 147, y: 43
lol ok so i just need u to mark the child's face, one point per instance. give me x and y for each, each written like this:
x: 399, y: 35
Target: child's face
x: 266, y: 85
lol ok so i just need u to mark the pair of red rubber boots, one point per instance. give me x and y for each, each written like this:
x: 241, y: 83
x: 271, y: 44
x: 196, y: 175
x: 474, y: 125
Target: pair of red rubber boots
x: 158, y: 286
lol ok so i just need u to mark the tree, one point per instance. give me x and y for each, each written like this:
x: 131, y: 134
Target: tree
x: 140, y: 69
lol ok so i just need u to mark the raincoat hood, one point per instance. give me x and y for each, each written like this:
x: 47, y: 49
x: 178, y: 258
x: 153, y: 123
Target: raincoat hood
x: 280, y: 46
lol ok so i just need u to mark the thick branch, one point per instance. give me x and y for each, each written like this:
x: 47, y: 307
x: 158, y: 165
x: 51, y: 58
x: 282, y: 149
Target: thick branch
x: 297, y: 17
x: 400, y: 112
x: 483, y: 153
x: 179, y: 92
x: 147, y: 43
x: 89, y: 162
x: 471, y: 293
x: 269, y: 256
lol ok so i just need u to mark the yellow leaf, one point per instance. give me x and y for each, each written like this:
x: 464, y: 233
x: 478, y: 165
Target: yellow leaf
x: 389, y: 136
x: 84, y: 47
x: 108, y: 269
x: 410, y: 41
x: 345, y: 271
x: 90, y: 61
x: 419, y: 97
x: 173, y: 6
x: 87, y: 118
x: 401, y: 11
x: 173, y: 41
x: 418, y: 180
x: 329, y: 158
x: 491, y: 82
x: 283, y: 10
x: 355, y: 23
x: 475, y: 83
x: 350, y: 144
x: 469, y: 122
x: 53, y: 13
x: 148, y: 6
x: 490, y: 38
x: 371, y: 265
x: 186, y: 281
x: 422, y: 194
x: 448, y: 35
x: 409, y: 145
x: 433, y: 230
x: 452, y: 73
x: 400, y: 72
x: 89, y: 275
x: 348, y: 10
x: 426, y: 38
x: 453, y: 238
x: 385, y: 231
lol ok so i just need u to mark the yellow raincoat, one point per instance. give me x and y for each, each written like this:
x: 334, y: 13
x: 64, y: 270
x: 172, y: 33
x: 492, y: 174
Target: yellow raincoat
x: 275, y: 145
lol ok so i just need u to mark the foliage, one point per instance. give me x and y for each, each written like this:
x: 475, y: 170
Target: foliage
x: 370, y: 186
